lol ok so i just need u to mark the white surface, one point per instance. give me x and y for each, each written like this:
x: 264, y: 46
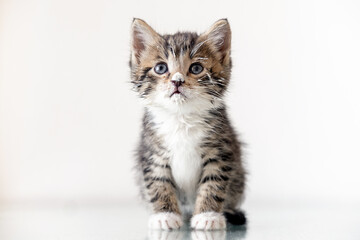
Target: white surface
x: 267, y: 221
x: 69, y: 122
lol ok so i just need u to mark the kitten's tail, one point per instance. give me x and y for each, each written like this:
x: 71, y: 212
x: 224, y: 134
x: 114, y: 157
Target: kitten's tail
x: 235, y: 217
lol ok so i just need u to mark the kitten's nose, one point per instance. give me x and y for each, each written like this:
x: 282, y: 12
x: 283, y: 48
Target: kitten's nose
x: 177, y: 79
x: 176, y: 83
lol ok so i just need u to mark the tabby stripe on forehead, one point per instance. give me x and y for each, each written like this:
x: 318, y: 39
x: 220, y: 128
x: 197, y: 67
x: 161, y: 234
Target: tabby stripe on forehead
x: 174, y: 53
x: 165, y: 48
x: 185, y: 48
x: 166, y: 53
x: 196, y: 48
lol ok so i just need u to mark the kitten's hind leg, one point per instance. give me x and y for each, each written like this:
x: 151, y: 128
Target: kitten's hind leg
x: 235, y: 217
x: 234, y: 198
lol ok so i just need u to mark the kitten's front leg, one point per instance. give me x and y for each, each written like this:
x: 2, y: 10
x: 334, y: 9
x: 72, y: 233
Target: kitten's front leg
x: 211, y: 196
x: 160, y: 189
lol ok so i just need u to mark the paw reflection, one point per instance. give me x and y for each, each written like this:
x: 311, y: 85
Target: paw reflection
x: 208, y: 235
x: 165, y: 235
x: 186, y: 233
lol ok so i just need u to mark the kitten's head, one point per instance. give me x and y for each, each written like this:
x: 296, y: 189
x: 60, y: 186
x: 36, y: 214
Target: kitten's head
x: 181, y: 72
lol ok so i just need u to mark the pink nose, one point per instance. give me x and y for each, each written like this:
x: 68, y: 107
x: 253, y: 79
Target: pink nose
x: 176, y: 83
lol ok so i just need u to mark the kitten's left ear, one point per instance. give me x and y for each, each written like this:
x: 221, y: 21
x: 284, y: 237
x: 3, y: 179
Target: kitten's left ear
x: 219, y: 36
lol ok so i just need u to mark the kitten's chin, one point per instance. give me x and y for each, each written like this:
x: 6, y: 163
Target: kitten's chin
x: 180, y: 104
x: 178, y: 98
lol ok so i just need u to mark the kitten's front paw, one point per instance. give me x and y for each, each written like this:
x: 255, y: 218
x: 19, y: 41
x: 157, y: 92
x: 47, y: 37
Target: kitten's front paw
x: 208, y: 221
x: 166, y: 221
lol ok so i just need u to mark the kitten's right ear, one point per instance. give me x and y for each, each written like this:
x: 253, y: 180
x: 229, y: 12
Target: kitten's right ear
x: 142, y: 35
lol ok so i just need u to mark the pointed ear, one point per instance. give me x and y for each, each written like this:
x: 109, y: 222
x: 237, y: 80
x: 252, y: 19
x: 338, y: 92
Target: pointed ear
x: 142, y: 35
x: 219, y: 36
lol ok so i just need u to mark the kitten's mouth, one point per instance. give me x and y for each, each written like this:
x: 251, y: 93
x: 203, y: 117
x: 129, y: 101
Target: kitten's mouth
x: 176, y: 92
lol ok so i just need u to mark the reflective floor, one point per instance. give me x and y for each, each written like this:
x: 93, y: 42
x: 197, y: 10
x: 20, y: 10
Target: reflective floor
x: 267, y: 220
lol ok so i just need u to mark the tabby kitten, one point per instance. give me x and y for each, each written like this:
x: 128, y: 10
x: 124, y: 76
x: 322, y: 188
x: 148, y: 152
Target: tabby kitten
x: 189, y: 158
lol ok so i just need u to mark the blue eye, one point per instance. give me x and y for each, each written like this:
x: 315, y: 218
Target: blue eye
x: 196, y: 68
x: 161, y: 68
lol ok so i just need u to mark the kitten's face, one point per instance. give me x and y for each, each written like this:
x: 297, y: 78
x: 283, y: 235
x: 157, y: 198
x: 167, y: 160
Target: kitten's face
x: 183, y: 71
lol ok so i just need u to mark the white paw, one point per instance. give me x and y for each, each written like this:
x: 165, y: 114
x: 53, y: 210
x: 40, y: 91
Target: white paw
x: 166, y: 221
x: 208, y: 221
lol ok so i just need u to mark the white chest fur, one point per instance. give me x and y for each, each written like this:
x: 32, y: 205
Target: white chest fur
x: 183, y: 135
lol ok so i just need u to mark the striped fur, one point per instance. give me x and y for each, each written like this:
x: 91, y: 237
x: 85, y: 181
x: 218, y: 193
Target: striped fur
x: 189, y: 156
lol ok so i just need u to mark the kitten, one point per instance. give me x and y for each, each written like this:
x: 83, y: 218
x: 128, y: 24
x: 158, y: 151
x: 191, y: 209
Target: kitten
x: 189, y: 157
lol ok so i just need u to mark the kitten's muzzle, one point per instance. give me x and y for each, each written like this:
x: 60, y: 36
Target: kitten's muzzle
x: 176, y: 90
x: 176, y: 83
x: 177, y: 80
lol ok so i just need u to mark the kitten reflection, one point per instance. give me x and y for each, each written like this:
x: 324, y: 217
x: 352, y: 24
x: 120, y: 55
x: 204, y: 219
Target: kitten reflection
x: 165, y: 235
x: 208, y: 235
x: 183, y: 235
x: 232, y: 233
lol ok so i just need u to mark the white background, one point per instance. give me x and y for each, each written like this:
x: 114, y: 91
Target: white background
x: 69, y: 121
